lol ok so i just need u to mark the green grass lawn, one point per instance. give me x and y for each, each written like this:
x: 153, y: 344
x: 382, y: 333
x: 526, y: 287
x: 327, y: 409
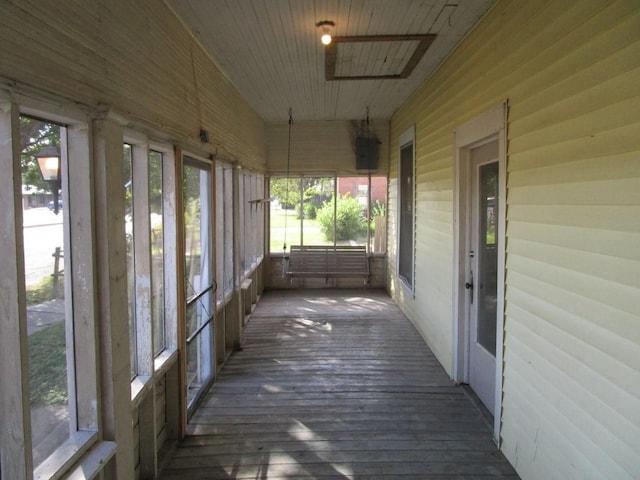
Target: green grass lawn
x: 43, y: 291
x: 48, y: 366
x: 279, y: 218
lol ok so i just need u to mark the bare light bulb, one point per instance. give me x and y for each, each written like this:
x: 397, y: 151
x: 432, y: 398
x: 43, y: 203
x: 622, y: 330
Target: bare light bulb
x: 327, y: 26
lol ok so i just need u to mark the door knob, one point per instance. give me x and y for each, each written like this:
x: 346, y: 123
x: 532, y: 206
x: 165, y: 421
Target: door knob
x: 468, y: 285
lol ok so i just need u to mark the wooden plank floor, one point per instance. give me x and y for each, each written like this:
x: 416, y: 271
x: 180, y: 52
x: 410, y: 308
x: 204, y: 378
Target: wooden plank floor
x: 335, y: 384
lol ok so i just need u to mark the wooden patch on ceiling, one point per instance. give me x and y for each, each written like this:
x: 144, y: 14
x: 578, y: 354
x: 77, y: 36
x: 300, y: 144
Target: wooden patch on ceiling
x: 332, y: 59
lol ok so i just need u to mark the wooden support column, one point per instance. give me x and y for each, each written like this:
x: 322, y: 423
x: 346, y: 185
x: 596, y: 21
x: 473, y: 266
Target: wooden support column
x: 181, y: 303
x: 142, y: 255
x: 15, y: 432
x: 81, y: 229
x: 112, y: 286
x: 172, y: 258
x: 235, y: 320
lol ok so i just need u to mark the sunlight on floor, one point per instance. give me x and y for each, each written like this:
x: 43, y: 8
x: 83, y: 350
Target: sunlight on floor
x: 305, y: 323
x: 316, y: 444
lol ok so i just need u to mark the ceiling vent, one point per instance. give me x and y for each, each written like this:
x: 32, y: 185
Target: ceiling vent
x: 374, y: 57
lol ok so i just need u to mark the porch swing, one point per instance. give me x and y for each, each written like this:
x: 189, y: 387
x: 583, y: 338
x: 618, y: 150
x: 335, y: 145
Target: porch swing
x: 321, y: 261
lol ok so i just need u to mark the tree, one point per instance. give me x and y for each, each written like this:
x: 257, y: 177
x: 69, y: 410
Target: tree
x: 287, y: 190
x: 316, y: 190
x: 34, y: 135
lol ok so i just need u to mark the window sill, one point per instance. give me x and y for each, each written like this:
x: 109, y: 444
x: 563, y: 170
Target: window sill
x: 142, y: 383
x: 139, y: 385
x: 93, y: 462
x: 66, y: 455
x: 408, y: 289
x: 164, y: 360
x: 224, y: 301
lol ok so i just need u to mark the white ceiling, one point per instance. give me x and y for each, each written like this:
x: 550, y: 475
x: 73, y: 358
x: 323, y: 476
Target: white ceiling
x: 271, y: 51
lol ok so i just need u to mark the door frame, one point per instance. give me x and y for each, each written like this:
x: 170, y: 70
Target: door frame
x: 487, y: 126
x: 188, y: 158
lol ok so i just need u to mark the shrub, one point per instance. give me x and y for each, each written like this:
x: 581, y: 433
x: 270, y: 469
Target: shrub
x: 378, y: 209
x: 350, y: 222
x: 310, y: 211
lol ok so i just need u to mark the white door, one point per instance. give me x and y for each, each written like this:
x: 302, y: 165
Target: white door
x: 482, y: 270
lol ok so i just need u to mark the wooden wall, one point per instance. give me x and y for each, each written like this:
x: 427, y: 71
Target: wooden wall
x: 137, y: 59
x: 326, y: 147
x: 571, y: 74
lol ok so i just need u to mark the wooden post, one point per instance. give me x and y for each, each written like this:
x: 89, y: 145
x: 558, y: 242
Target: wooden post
x: 16, y: 461
x: 181, y: 301
x: 56, y: 271
x: 113, y: 322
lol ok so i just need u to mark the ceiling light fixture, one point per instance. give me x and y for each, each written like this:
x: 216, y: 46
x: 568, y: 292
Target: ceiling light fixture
x: 327, y: 27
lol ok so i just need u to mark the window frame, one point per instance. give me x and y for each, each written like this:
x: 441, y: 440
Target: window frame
x: 406, y: 139
x: 208, y: 327
x: 80, y: 285
x: 223, y: 236
x: 251, y: 221
x: 335, y: 178
x: 148, y: 361
x: 170, y: 256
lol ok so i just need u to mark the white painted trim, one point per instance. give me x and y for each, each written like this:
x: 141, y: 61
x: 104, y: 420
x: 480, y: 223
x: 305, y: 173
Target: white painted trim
x: 135, y: 138
x: 407, y: 137
x: 502, y: 240
x: 473, y: 133
x: 34, y: 102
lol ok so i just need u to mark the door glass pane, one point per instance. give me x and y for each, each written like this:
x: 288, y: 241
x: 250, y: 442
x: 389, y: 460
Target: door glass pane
x: 487, y: 260
x: 405, y: 185
x: 198, y: 277
x: 49, y: 319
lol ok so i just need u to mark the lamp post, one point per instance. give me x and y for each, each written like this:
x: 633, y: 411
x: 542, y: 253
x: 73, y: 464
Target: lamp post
x: 49, y: 163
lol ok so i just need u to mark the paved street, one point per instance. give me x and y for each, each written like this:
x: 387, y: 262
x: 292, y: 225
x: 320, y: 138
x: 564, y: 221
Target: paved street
x: 44, y: 314
x: 42, y: 234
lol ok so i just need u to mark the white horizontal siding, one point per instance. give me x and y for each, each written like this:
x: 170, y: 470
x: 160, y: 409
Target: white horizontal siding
x: 572, y: 338
x: 571, y: 74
